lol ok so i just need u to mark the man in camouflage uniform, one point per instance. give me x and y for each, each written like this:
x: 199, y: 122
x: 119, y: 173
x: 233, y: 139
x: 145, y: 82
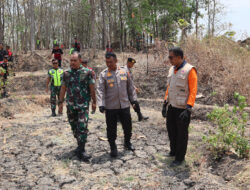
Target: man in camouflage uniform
x: 2, y: 87
x: 77, y: 82
x: 115, y: 93
x: 54, y: 78
x: 128, y: 67
x: 4, y: 67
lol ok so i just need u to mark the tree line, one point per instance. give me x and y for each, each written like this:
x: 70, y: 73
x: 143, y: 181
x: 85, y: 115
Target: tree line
x: 98, y: 23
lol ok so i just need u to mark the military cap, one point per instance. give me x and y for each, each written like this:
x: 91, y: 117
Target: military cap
x: 131, y: 60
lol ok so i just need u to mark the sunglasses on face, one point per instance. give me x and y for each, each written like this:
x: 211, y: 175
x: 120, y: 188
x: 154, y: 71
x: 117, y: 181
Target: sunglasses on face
x: 85, y: 62
x: 54, y: 63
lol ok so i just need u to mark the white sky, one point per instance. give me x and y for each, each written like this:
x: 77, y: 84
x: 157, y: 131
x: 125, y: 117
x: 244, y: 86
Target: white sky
x: 237, y: 13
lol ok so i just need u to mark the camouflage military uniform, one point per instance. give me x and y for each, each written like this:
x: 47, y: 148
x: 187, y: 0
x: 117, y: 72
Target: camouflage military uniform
x: 78, y: 97
x: 55, y: 86
x: 2, y: 82
x: 54, y: 92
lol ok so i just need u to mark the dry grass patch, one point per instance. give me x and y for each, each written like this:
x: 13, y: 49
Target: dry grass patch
x: 223, y: 67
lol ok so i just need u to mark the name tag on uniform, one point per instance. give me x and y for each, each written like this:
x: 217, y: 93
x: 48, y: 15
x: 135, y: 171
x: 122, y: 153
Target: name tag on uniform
x: 111, y: 80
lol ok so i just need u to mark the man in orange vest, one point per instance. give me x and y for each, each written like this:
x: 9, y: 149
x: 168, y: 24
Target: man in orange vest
x: 179, y: 98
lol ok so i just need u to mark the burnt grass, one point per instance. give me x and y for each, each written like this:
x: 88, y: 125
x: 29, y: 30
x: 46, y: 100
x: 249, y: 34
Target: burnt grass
x: 37, y: 151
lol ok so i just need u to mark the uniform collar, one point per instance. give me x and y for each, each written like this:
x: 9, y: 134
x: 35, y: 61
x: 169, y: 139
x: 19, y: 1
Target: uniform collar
x: 182, y: 65
x: 117, y: 69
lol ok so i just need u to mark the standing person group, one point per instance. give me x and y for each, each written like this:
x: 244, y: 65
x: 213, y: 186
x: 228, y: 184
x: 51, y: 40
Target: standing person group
x: 116, y: 92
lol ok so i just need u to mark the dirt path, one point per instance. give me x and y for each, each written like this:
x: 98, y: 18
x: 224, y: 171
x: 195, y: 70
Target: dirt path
x: 37, y: 152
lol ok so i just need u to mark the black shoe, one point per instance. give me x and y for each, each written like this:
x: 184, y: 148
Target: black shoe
x: 176, y: 163
x: 53, y: 113
x: 114, y: 151
x: 141, y: 117
x: 129, y: 146
x: 170, y: 154
x: 83, y: 156
x: 4, y: 95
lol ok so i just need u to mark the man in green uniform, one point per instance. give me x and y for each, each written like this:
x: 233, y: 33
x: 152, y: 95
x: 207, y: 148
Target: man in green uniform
x: 2, y: 85
x: 55, y: 78
x: 4, y: 65
x: 77, y: 82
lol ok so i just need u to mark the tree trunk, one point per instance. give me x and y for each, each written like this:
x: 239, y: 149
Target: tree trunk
x: 103, y: 25
x: 32, y: 25
x: 209, y: 19
x: 213, y: 17
x: 196, y: 17
x: 2, y: 21
x: 121, y: 25
x: 93, y: 27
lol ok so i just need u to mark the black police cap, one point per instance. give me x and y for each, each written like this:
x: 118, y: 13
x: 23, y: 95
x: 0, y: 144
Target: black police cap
x: 131, y: 60
x: 110, y: 54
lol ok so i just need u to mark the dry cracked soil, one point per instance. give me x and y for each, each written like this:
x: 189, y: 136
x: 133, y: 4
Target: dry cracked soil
x: 37, y: 150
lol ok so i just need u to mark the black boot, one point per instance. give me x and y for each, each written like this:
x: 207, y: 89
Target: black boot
x: 129, y: 146
x: 141, y: 117
x: 4, y: 95
x: 114, y: 151
x: 81, y: 154
x: 53, y: 113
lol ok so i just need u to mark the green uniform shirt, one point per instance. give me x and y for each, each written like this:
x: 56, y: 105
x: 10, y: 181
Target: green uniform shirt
x: 77, y: 83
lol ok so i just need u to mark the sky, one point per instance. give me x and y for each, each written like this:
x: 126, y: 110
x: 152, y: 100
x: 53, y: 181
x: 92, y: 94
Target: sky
x: 237, y: 12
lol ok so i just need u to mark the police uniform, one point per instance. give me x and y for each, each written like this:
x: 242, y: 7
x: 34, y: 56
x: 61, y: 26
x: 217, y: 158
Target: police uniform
x: 55, y: 87
x: 180, y: 97
x: 115, y: 91
x: 77, y: 99
x: 137, y: 108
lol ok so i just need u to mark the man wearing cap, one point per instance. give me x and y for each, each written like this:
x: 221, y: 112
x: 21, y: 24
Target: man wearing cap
x: 77, y: 82
x: 85, y: 65
x: 115, y: 91
x: 84, y: 61
x: 179, y: 98
x: 55, y: 79
x: 128, y: 67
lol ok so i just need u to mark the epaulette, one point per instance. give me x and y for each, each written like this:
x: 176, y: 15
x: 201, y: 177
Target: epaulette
x: 105, y: 70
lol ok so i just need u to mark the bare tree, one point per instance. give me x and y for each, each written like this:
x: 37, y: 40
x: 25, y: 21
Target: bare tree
x: 32, y: 25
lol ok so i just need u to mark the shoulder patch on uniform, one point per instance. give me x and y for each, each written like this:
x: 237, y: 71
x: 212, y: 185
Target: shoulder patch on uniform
x: 104, y: 71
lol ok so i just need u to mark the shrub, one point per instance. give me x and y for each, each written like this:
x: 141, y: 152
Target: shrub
x: 229, y: 133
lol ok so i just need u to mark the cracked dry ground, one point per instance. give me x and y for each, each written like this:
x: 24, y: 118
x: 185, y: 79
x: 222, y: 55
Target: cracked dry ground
x: 37, y: 152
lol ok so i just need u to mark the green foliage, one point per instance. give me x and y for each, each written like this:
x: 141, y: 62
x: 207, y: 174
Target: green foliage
x: 158, y: 17
x: 230, y: 129
x: 230, y: 34
x: 183, y: 23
